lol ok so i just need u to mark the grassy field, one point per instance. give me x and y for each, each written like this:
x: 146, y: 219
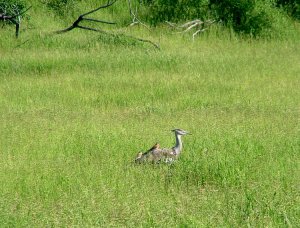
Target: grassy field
x: 75, y: 110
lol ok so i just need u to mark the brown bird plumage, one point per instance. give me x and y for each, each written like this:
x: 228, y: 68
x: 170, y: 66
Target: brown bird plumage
x: 156, y: 146
x: 156, y: 154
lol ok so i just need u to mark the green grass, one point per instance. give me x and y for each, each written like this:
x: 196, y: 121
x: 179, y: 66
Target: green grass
x: 75, y: 110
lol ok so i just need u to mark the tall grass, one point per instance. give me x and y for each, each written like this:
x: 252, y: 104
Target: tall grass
x: 75, y: 109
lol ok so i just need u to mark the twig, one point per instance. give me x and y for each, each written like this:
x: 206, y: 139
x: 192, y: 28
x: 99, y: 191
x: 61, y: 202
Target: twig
x: 109, y: 3
x: 171, y: 24
x: 192, y: 26
x: 143, y: 40
x: 189, y: 23
x: 188, y: 26
x: 198, y: 31
x: 129, y: 36
x: 19, y: 45
x: 101, y: 21
x: 135, y: 19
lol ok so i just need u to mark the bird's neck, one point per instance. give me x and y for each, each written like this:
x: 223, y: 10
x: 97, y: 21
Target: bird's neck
x: 178, y: 145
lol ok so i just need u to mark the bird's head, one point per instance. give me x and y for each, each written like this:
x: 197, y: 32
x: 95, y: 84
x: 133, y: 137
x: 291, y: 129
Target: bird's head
x: 180, y: 132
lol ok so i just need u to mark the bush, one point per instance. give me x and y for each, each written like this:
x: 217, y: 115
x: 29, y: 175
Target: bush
x: 175, y: 10
x: 292, y: 7
x: 61, y: 7
x: 11, y: 7
x: 244, y: 16
x: 250, y: 17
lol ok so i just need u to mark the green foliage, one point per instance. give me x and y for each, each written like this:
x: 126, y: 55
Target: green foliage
x: 246, y: 16
x: 61, y: 7
x: 291, y: 6
x: 75, y: 110
x: 176, y: 10
x: 12, y: 7
x: 118, y: 40
x: 249, y: 17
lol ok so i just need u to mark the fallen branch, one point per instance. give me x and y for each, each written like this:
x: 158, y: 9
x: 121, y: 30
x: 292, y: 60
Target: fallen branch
x: 199, y: 25
x: 82, y: 18
x: 143, y: 40
x: 173, y: 25
x: 193, y: 23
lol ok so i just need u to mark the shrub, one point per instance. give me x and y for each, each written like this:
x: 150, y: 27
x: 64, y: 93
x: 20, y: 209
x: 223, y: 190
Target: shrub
x: 244, y: 16
x: 292, y: 7
x: 175, y: 10
x: 61, y: 7
x: 251, y: 17
x: 11, y: 7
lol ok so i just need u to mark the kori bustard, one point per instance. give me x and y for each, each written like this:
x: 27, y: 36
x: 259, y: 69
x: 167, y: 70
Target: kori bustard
x: 157, y: 154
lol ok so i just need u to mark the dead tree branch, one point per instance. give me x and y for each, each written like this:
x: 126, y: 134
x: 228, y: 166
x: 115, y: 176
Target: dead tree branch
x: 135, y: 19
x: 197, y: 24
x: 82, y: 18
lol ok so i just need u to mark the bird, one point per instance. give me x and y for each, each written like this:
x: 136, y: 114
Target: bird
x: 142, y: 154
x: 168, y: 155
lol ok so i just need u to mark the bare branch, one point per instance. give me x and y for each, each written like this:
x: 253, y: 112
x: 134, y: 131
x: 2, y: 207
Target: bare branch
x: 188, y: 26
x: 135, y: 19
x: 143, y: 40
x: 109, y: 3
x: 101, y: 21
x: 24, y: 11
x: 132, y: 37
x: 171, y: 24
x: 66, y: 30
x: 82, y: 18
x: 90, y: 29
x: 129, y: 5
x: 198, y: 31
x: 192, y: 26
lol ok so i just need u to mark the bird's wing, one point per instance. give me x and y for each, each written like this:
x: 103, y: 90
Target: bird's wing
x: 163, y: 152
x: 154, y: 147
x: 168, y: 151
